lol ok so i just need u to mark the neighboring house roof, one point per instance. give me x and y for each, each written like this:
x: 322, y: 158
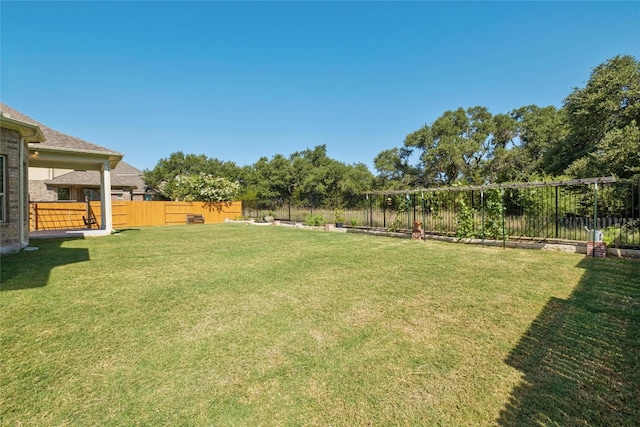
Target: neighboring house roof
x: 124, y: 175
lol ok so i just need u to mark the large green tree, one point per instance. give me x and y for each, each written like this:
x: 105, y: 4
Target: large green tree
x: 308, y: 178
x: 524, y: 139
x: 204, y: 188
x: 603, y: 119
x: 267, y: 181
x: 394, y: 170
x: 455, y: 147
x: 163, y: 176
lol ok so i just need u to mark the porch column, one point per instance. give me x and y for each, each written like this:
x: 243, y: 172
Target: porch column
x: 105, y: 197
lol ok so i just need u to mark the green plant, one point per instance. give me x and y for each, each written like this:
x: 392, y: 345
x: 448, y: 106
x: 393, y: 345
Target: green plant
x: 396, y: 224
x: 339, y: 214
x: 353, y: 222
x: 465, y: 224
x: 493, y: 216
x: 616, y: 235
x: 205, y: 188
x: 316, y: 220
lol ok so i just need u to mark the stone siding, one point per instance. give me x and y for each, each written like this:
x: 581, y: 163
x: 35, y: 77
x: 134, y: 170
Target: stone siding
x: 41, y: 192
x: 10, y: 238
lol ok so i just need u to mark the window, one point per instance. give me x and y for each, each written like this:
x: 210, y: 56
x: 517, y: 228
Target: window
x: 90, y: 194
x: 3, y: 189
x: 64, y: 194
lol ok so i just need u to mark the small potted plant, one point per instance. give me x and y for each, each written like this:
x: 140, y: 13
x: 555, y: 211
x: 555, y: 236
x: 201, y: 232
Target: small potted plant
x: 339, y: 214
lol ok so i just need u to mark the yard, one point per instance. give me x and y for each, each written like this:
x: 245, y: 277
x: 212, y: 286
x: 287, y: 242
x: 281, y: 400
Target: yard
x: 231, y: 324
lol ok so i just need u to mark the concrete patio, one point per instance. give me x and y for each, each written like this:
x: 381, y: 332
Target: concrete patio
x: 78, y: 233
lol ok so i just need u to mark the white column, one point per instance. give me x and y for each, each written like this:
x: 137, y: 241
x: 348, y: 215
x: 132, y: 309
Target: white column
x: 105, y: 197
x: 24, y: 197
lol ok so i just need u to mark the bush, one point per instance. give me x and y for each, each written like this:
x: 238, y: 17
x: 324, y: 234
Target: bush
x: 315, y: 220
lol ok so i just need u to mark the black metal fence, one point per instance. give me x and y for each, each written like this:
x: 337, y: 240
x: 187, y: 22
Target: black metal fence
x: 562, y: 210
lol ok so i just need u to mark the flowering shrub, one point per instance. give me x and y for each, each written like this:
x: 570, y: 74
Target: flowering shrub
x: 203, y: 188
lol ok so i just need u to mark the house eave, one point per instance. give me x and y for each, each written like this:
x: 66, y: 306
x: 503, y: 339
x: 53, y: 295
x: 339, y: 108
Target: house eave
x: 41, y: 156
x: 30, y: 132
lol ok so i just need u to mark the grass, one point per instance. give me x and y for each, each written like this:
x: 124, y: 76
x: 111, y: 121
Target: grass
x: 229, y: 324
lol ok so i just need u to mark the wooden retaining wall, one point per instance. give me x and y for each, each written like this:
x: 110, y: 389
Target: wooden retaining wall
x: 69, y: 215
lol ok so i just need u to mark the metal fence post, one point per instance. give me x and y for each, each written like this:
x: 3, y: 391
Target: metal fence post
x: 504, y: 209
x: 482, y: 209
x: 557, y: 218
x: 384, y: 211
x: 595, y: 216
x: 424, y: 223
x: 408, y: 199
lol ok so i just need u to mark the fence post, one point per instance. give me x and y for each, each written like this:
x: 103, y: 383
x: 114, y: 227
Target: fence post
x: 504, y: 209
x: 557, y: 218
x: 482, y: 209
x: 595, y: 216
x: 408, y: 199
x: 384, y: 211
x: 413, y: 201
x: 370, y: 211
x: 424, y: 223
x: 86, y: 199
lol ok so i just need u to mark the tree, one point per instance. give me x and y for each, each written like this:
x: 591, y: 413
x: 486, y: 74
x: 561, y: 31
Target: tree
x: 357, y: 179
x: 204, y: 188
x: 163, y: 176
x: 603, y: 120
x: 267, y: 181
x: 316, y: 176
x: 307, y: 177
x: 394, y: 170
x: 455, y: 147
x: 524, y: 140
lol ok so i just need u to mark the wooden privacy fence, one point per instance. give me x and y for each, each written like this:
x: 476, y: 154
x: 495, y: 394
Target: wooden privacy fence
x: 79, y: 215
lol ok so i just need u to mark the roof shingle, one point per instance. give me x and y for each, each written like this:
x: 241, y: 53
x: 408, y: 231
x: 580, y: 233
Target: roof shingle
x: 123, y: 175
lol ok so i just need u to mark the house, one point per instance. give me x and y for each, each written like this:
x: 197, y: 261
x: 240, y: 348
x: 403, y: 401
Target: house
x: 49, y: 149
x: 15, y: 137
x: 59, y: 184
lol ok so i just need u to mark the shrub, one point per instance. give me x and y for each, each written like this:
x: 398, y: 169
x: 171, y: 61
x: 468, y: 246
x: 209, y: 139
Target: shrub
x: 315, y: 220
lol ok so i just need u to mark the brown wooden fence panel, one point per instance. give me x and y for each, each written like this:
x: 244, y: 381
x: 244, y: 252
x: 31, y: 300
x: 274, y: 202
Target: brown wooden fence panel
x: 176, y: 212
x: 67, y: 216
x: 57, y: 216
x: 96, y: 211
x: 140, y: 214
x: 217, y: 212
x: 119, y: 214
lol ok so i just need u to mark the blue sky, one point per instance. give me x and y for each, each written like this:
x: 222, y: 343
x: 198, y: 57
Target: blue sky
x: 238, y: 81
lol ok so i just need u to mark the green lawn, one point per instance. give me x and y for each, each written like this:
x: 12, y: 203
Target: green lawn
x: 231, y: 325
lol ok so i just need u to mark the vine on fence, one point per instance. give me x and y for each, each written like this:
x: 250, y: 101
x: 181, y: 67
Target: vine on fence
x: 465, y: 224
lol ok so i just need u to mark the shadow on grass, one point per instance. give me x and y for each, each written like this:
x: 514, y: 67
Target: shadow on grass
x: 28, y: 270
x: 580, y: 358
